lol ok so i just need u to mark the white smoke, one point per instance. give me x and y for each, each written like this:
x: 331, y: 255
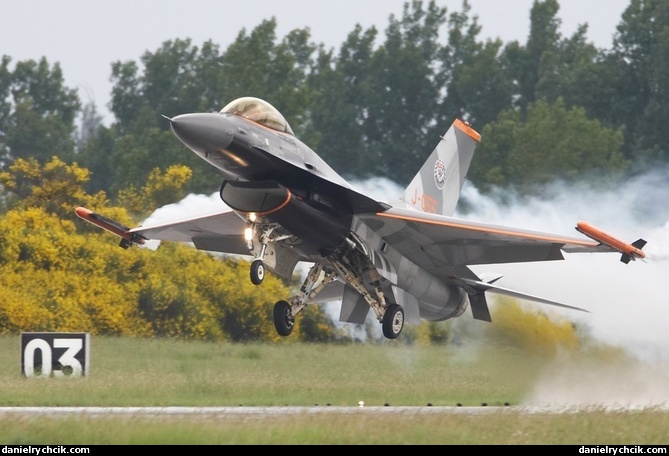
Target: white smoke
x: 627, y: 301
x: 628, y: 305
x: 191, y: 206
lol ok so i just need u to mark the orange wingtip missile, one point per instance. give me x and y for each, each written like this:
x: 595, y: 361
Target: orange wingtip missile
x: 630, y: 251
x: 127, y: 238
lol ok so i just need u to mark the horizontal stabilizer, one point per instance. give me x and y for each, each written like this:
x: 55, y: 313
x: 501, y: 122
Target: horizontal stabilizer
x: 477, y: 286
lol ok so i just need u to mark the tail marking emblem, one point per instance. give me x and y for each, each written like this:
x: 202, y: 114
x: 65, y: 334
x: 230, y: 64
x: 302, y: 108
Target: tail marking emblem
x: 440, y: 174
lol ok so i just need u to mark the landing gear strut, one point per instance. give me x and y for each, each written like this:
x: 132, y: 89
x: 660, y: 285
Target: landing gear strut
x: 261, y: 236
x: 284, y: 312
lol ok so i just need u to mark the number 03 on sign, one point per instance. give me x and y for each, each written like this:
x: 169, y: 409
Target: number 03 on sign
x: 54, y: 354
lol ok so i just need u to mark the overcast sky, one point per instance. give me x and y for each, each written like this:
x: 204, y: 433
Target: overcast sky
x: 86, y: 36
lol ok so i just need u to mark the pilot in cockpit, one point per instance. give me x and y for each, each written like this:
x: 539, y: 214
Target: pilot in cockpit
x: 253, y: 112
x: 258, y: 111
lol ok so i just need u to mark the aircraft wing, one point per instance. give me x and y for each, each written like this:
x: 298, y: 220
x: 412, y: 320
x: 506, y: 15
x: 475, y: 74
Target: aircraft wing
x: 221, y: 232
x: 441, y: 244
x: 217, y: 232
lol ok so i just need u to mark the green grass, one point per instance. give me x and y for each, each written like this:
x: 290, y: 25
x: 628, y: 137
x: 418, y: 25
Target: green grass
x: 136, y: 372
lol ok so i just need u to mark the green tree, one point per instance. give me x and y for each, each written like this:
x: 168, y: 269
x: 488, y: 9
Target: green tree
x: 126, y: 96
x: 641, y: 62
x: 259, y: 65
x: 91, y: 122
x: 96, y: 155
x: 554, y: 143
x: 141, y: 140
x: 524, y: 64
x: 339, y: 110
x: 574, y: 70
x: 480, y: 88
x: 403, y: 93
x: 180, y: 78
x: 477, y: 86
x: 134, y: 156
x: 170, y: 83
x: 381, y: 110
x: 37, y: 112
x: 314, y: 325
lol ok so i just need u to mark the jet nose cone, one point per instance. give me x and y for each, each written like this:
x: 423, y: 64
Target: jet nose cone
x: 202, y: 132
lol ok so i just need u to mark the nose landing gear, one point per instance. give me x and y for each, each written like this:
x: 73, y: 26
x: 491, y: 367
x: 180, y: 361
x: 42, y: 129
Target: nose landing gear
x: 257, y: 271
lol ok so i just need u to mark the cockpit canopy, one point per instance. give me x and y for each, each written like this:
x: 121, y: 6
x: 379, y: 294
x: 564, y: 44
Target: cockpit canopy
x: 260, y: 112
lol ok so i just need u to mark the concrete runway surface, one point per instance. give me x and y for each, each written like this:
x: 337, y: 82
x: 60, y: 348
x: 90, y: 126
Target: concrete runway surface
x: 279, y: 410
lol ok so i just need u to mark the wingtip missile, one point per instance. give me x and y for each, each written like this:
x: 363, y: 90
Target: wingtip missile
x: 107, y: 224
x: 629, y: 251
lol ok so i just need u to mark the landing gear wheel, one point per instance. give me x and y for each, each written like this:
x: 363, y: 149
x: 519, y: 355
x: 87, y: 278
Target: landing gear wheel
x: 283, y: 318
x: 257, y: 271
x: 393, y: 321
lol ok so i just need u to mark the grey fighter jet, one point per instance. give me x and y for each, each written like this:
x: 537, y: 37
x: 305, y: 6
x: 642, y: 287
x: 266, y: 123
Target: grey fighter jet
x: 405, y: 261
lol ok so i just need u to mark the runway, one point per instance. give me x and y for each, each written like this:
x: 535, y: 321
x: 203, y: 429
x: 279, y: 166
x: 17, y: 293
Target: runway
x: 246, y: 410
x: 281, y: 410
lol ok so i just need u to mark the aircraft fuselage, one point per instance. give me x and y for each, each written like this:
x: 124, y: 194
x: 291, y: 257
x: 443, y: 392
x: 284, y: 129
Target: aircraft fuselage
x: 274, y: 175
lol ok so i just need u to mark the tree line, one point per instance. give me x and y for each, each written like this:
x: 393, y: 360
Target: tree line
x: 553, y: 108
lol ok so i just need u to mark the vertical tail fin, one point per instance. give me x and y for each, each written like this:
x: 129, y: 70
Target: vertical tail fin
x: 436, y: 187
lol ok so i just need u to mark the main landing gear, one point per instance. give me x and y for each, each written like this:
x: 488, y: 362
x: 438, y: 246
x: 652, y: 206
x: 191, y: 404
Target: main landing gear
x: 284, y: 320
x: 393, y: 321
x: 351, y: 266
x: 391, y: 315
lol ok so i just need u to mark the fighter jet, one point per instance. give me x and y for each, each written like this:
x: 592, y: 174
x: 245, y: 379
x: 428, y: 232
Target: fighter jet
x: 405, y: 260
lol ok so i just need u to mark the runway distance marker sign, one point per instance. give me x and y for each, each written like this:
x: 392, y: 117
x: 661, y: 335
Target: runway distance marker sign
x: 55, y: 354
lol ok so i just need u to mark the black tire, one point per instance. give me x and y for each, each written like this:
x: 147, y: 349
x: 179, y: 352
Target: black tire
x: 393, y: 321
x: 257, y: 271
x: 283, y: 318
